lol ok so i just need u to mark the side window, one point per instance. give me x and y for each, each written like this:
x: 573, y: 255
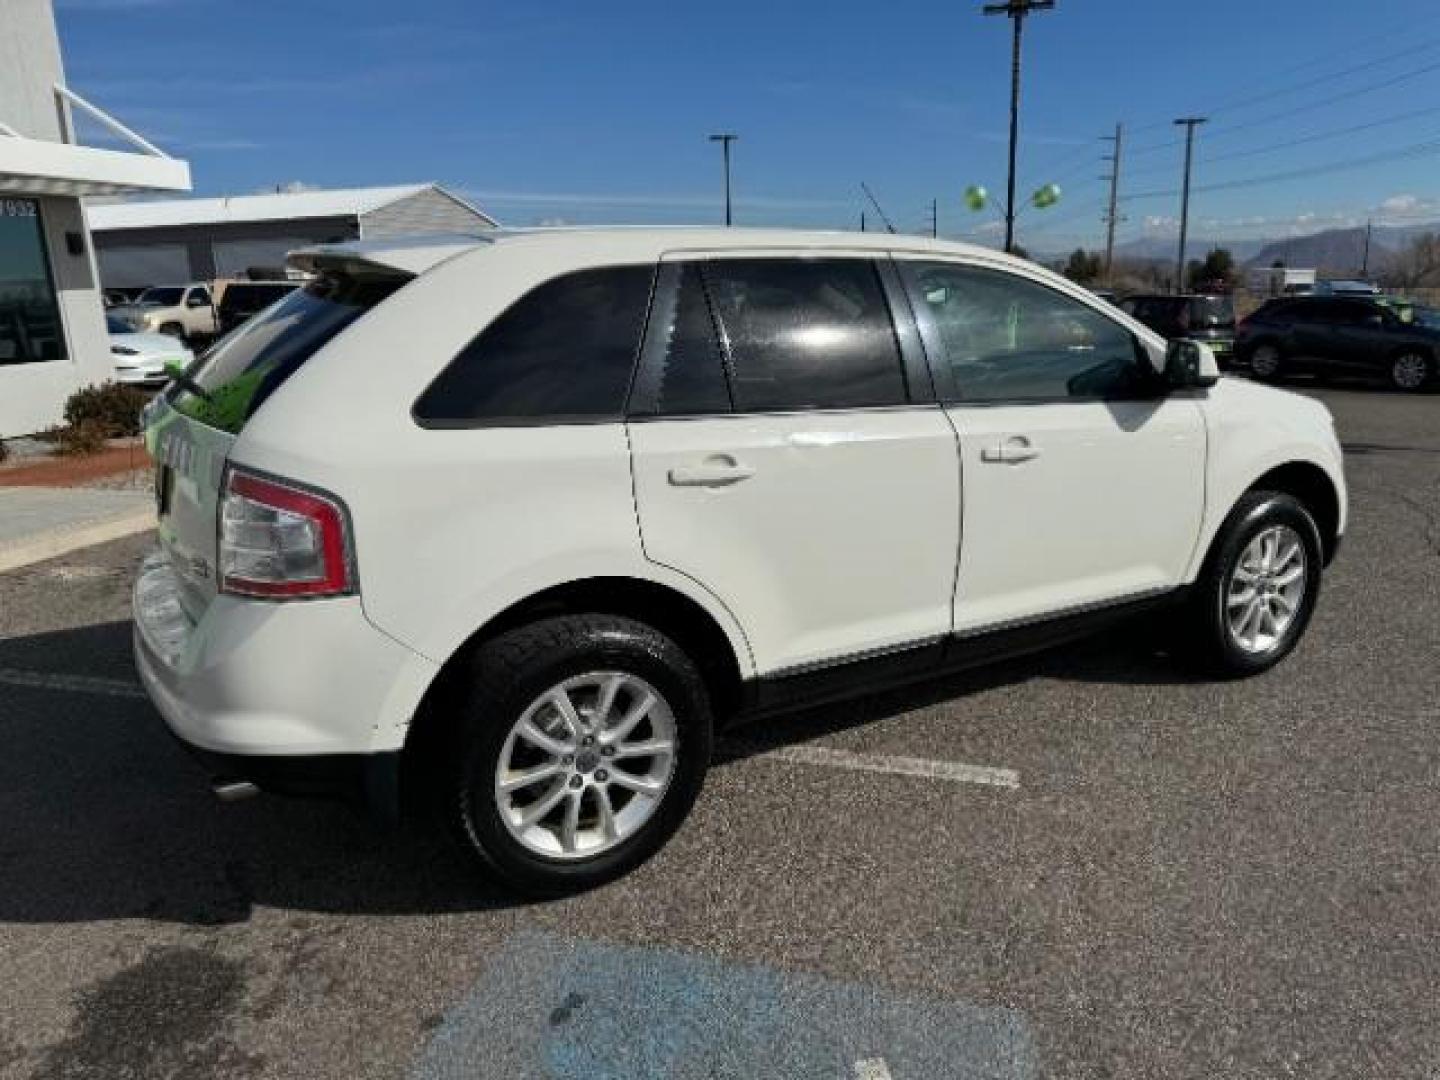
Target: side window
x: 996, y: 336
x: 683, y: 371
x: 805, y: 333
x: 564, y: 350
x: 199, y: 296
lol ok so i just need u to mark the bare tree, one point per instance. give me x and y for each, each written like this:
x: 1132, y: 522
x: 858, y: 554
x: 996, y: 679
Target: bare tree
x: 1416, y: 266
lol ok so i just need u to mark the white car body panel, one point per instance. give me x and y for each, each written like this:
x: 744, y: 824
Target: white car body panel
x: 1109, y: 508
x: 807, y: 552
x: 453, y: 527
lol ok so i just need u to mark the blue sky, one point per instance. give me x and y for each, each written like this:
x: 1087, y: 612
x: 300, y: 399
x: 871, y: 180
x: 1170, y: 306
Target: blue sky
x: 582, y: 112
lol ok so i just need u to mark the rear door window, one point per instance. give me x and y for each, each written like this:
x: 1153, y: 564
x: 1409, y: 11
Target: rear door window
x: 564, y: 351
x: 228, y: 382
x: 806, y: 334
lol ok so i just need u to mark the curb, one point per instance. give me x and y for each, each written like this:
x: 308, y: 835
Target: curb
x: 57, y: 542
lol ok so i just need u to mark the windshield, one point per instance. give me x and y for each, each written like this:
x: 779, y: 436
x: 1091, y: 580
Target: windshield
x: 228, y: 382
x: 166, y: 297
x: 115, y: 326
x: 1212, y: 313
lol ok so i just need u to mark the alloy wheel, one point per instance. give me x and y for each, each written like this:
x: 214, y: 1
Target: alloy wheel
x: 586, y: 765
x: 1409, y: 371
x: 1266, y: 589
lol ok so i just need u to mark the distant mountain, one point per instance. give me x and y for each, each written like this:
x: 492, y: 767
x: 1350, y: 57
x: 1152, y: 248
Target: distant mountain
x: 1334, y: 252
x: 1163, y: 247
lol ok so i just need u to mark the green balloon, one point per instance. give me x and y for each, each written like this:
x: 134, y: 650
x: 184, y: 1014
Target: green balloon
x: 976, y: 197
x: 1048, y: 195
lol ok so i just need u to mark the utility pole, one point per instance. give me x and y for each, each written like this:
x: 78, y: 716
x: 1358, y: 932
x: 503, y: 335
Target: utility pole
x: 725, y: 141
x: 862, y: 220
x: 1113, y: 216
x: 934, y: 217
x: 1365, y: 260
x: 1190, y: 123
x: 1016, y: 11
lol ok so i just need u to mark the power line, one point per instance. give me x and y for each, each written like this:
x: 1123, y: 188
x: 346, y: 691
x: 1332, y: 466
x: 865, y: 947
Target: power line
x: 1236, y: 155
x: 1413, y: 150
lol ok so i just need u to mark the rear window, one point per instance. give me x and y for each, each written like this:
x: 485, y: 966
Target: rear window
x: 232, y: 379
x: 163, y: 297
x: 1212, y: 313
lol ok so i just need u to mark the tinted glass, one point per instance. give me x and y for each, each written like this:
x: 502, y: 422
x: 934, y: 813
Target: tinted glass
x: 1002, y: 337
x: 566, y: 349
x: 225, y: 386
x: 30, y: 329
x: 164, y: 297
x: 201, y: 296
x: 1212, y: 313
x: 684, y: 369
x: 806, y: 333
x: 115, y: 326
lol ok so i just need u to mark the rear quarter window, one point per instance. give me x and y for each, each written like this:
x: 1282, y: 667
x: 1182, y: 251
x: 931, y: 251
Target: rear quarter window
x: 565, y: 350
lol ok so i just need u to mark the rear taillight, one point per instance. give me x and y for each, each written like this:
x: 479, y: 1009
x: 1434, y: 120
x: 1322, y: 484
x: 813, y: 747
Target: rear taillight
x: 279, y: 540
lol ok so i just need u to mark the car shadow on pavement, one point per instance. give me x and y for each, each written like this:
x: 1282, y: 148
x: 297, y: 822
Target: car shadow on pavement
x: 1120, y: 657
x: 103, y: 815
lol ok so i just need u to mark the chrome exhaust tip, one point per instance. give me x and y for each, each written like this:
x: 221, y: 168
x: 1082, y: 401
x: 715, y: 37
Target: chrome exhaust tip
x: 233, y: 790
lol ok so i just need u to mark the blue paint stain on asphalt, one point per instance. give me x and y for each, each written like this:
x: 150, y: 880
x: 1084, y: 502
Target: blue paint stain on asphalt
x: 559, y: 1009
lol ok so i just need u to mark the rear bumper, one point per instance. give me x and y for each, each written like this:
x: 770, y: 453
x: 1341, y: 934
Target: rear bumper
x: 300, y: 698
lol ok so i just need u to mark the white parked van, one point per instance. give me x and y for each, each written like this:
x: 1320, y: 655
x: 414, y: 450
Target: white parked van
x: 519, y: 520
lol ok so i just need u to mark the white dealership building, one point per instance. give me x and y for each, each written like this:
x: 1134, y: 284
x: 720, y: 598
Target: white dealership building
x: 52, y: 328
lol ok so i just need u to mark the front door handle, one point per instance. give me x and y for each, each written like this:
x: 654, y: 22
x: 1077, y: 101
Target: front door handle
x: 718, y: 471
x: 1012, y: 451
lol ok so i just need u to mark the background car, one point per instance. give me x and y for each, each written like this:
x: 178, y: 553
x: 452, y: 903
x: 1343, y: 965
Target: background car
x: 142, y: 358
x: 1373, y: 337
x: 181, y: 311
x: 1201, y: 317
x: 243, y: 299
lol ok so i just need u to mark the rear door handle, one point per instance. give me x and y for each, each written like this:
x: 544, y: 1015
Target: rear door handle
x: 718, y: 471
x: 1012, y: 451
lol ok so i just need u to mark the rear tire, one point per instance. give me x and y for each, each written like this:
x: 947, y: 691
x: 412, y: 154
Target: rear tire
x: 1266, y: 361
x: 1411, y: 372
x: 553, y: 700
x: 1257, y: 590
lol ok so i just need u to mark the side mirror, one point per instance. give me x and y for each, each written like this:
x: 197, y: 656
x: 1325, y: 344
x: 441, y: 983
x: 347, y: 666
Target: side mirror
x: 1190, y: 365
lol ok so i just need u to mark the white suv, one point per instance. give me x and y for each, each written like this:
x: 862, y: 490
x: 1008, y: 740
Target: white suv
x: 520, y: 520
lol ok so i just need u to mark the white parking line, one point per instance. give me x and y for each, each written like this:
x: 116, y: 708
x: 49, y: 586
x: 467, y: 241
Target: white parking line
x: 954, y: 771
x: 872, y: 1069
x: 74, y: 684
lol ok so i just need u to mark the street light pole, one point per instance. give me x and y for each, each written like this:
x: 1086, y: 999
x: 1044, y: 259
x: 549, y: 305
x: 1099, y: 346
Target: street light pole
x: 1190, y: 123
x: 1016, y: 11
x: 725, y: 141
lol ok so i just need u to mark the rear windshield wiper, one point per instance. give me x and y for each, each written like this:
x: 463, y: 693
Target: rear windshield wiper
x: 185, y: 382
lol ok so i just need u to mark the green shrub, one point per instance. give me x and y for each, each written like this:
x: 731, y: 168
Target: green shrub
x: 113, y: 406
x: 74, y: 440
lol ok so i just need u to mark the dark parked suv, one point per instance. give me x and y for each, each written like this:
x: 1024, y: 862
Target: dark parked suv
x: 243, y: 299
x: 1357, y: 336
x: 1206, y: 318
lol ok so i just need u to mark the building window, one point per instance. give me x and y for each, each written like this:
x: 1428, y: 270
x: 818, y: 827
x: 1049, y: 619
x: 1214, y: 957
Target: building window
x: 30, y: 330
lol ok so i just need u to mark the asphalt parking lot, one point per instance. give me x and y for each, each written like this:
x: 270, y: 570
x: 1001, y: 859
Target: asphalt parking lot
x: 1153, y: 877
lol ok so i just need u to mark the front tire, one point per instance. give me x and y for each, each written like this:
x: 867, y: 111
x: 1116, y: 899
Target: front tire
x: 1257, y: 590
x: 584, y: 744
